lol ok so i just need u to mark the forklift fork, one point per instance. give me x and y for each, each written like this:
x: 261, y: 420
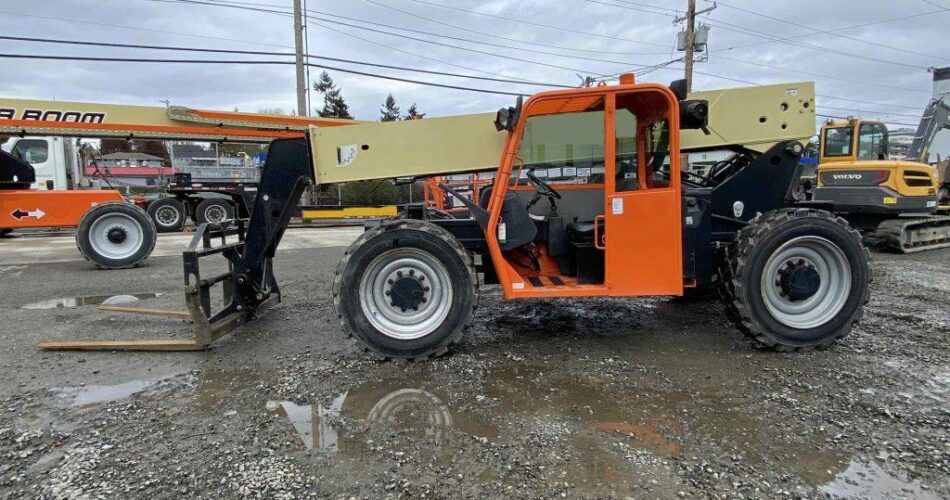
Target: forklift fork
x: 248, y: 286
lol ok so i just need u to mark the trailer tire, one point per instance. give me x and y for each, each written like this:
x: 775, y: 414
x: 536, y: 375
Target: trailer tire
x: 168, y: 215
x: 214, y: 210
x: 796, y: 279
x: 116, y: 235
x: 405, y: 290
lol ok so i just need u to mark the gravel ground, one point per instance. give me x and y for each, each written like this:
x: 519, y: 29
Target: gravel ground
x: 596, y: 398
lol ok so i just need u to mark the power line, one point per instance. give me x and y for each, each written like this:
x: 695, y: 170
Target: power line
x: 760, y: 34
x: 826, y: 32
x: 374, y: 30
x: 935, y: 4
x: 747, y: 31
x: 469, y: 30
x: 253, y: 62
x: 262, y: 53
x: 536, y: 24
x: 137, y: 28
x: 843, y: 28
x: 390, y: 47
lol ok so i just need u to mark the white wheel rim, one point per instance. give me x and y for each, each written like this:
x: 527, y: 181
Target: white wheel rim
x: 216, y: 213
x: 116, y: 223
x: 167, y: 215
x: 392, y: 320
x: 834, y: 273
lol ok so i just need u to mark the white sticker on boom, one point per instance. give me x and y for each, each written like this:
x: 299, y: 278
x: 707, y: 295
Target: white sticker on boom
x: 617, y: 206
x: 345, y: 155
x: 791, y: 92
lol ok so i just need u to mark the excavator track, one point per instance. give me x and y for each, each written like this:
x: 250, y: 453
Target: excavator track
x: 911, y: 235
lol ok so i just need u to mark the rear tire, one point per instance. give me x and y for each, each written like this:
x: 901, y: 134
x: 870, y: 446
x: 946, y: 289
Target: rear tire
x: 405, y: 289
x: 214, y: 211
x: 115, y: 235
x: 168, y: 214
x: 796, y: 279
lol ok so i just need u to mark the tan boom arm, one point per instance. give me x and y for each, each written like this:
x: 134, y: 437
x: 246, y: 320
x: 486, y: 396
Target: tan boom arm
x: 750, y: 117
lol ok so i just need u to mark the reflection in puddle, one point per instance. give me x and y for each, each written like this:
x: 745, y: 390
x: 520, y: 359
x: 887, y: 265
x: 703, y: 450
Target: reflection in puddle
x: 871, y: 481
x: 301, y: 416
x: 111, y: 300
x: 389, y: 409
x: 88, y: 395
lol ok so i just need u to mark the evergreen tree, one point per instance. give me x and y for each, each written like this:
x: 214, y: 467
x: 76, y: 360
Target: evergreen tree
x: 413, y: 113
x: 389, y: 111
x: 334, y: 106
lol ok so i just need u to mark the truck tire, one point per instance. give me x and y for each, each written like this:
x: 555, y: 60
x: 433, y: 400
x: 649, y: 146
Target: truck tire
x: 168, y: 214
x: 115, y: 235
x: 405, y: 290
x: 796, y: 279
x: 214, y: 211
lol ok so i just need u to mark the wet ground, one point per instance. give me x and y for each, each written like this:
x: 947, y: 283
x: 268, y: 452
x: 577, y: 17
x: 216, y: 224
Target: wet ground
x: 653, y: 398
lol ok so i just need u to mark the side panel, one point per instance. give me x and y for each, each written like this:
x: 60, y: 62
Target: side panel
x: 32, y: 208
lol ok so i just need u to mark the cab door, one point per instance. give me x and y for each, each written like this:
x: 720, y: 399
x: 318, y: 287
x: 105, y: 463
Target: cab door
x: 642, y: 214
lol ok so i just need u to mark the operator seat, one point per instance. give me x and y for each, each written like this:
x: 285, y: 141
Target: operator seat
x: 520, y: 228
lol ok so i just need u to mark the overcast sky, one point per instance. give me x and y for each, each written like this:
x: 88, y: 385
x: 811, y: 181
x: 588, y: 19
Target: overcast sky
x: 587, y: 37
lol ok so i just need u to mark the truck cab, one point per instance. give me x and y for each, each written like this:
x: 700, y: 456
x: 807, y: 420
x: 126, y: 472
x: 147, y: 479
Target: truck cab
x: 55, y: 160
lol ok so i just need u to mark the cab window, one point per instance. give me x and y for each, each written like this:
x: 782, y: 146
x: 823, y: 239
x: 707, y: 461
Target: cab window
x: 838, y: 141
x: 31, y: 151
x: 657, y: 154
x: 625, y: 123
x: 565, y: 145
x: 872, y: 141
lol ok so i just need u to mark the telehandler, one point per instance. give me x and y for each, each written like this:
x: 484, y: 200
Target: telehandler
x: 639, y: 225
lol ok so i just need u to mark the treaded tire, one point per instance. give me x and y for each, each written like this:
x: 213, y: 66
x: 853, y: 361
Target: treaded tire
x: 165, y: 204
x: 202, y: 208
x: 136, y: 214
x: 405, y: 234
x: 744, y: 263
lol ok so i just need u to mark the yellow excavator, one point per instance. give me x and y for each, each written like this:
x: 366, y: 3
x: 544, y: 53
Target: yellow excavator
x: 895, y: 203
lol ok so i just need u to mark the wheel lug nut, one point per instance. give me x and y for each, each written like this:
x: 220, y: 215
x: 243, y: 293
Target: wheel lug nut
x: 390, y: 282
x: 412, y: 272
x: 424, y: 299
x: 425, y: 289
x: 387, y: 292
x: 403, y: 310
x: 421, y: 278
x: 399, y: 274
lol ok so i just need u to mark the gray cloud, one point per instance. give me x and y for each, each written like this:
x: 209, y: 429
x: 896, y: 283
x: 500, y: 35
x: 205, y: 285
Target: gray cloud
x: 252, y: 87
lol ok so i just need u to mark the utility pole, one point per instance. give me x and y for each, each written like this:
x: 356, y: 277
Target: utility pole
x: 688, y: 42
x: 690, y: 36
x: 301, y: 72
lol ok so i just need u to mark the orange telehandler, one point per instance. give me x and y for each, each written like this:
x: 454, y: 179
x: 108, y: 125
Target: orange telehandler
x: 791, y: 277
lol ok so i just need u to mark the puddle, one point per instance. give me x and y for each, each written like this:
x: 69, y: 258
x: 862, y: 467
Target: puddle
x: 861, y: 480
x: 111, y: 300
x: 91, y: 395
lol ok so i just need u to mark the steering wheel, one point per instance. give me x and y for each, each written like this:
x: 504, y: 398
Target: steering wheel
x: 542, y: 188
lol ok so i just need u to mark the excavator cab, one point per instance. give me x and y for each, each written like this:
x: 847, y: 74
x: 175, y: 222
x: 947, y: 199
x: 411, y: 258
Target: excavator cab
x: 856, y: 175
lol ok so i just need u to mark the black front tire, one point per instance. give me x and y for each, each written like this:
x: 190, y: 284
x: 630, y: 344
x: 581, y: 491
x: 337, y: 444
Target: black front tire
x: 214, y: 211
x: 411, y: 239
x: 168, y: 214
x: 103, y: 225
x: 745, y: 292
